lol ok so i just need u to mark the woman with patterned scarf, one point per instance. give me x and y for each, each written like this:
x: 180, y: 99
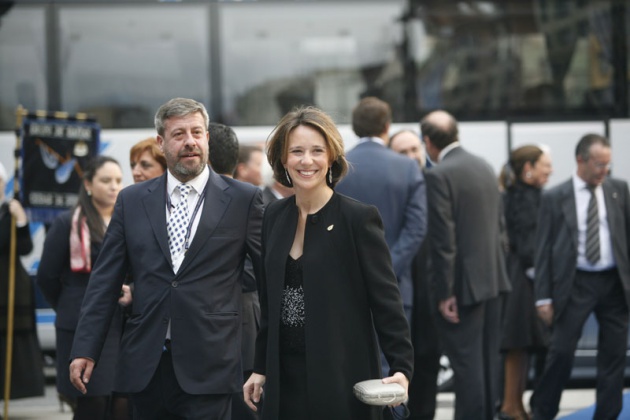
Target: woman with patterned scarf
x: 70, y: 250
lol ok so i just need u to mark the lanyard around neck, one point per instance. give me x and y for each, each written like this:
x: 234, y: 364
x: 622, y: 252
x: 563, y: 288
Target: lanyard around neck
x: 200, y: 199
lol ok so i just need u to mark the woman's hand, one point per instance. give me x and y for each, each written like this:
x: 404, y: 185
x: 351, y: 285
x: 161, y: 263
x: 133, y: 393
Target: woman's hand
x: 545, y: 312
x: 18, y: 212
x: 252, y: 390
x: 125, y: 298
x: 401, y: 379
x: 448, y: 309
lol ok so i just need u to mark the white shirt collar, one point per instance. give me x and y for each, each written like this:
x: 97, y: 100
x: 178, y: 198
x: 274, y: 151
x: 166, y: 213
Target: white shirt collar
x: 373, y: 139
x: 198, y: 183
x: 579, y: 184
x: 447, y: 149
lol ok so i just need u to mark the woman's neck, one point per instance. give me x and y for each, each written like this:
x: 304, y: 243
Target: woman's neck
x: 312, y: 201
x: 104, y: 212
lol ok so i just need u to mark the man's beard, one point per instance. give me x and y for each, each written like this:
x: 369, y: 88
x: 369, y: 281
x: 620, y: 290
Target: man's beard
x: 185, y: 171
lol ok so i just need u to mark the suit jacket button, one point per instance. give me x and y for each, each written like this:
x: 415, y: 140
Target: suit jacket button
x: 174, y: 284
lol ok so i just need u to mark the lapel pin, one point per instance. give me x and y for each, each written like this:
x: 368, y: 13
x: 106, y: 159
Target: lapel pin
x: 614, y: 195
x: 330, y: 228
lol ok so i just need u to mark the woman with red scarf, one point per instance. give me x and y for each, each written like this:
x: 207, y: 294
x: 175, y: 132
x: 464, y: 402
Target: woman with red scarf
x: 70, y: 250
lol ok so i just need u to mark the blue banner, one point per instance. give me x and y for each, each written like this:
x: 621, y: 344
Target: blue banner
x: 54, y: 154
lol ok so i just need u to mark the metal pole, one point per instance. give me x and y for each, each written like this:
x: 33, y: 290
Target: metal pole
x: 12, y: 258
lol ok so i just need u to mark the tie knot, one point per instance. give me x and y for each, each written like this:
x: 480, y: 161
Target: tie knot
x: 591, y: 188
x: 184, y: 189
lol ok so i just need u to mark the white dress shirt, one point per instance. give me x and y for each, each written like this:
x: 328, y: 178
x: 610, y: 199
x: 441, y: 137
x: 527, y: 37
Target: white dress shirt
x: 582, y: 198
x: 198, y: 184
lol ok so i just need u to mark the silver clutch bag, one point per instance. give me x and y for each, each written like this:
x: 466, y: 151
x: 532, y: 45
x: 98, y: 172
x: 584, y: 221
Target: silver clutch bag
x: 375, y: 392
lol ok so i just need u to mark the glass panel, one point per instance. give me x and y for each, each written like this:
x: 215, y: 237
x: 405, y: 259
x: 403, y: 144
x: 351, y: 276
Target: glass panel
x: 121, y: 63
x: 274, y: 57
x: 495, y: 59
x: 22, y: 62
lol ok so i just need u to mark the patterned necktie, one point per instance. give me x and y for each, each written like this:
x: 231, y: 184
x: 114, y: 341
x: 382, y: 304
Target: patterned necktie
x: 178, y: 221
x: 592, y: 229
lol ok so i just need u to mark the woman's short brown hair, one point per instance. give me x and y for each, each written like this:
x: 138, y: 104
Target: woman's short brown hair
x: 152, y: 147
x: 278, y: 142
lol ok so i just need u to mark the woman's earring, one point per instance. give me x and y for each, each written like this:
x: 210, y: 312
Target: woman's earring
x: 330, y: 175
x: 89, y: 193
x: 287, y: 174
x: 528, y: 174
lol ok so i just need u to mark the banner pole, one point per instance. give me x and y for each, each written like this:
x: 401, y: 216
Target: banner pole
x: 12, y: 258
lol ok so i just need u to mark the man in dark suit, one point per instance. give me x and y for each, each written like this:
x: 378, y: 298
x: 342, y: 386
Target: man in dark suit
x: 275, y: 191
x: 468, y: 266
x: 392, y: 183
x: 223, y: 157
x: 180, y: 348
x: 427, y: 351
x: 582, y: 266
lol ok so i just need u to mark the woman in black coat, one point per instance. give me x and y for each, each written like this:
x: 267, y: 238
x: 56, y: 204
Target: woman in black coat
x: 27, y: 367
x: 70, y: 250
x: 327, y: 286
x: 522, y: 180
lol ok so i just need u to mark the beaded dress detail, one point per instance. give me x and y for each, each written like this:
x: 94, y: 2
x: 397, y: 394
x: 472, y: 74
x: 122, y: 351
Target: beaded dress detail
x: 293, y: 317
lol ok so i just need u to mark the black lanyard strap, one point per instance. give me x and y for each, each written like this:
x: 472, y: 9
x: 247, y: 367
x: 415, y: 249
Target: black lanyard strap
x: 200, y: 199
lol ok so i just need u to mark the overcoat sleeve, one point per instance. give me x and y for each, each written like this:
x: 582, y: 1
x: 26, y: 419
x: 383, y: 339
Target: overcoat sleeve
x: 544, y: 243
x: 101, y: 297
x: 414, y: 229
x: 55, y: 257
x: 383, y: 293
x: 442, y: 234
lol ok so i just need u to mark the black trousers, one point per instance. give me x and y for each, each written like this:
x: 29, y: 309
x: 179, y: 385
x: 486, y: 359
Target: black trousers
x: 426, y: 343
x: 601, y: 293
x: 472, y: 346
x: 164, y: 399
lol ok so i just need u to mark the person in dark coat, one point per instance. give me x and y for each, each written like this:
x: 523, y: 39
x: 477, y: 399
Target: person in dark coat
x: 582, y: 265
x: 328, y: 287
x: 223, y: 151
x: 27, y: 367
x: 523, y: 332
x: 423, y: 388
x: 72, y: 246
x: 467, y: 264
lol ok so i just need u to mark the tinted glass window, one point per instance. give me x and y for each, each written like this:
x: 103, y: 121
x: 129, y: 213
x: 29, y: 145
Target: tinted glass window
x: 276, y: 56
x: 22, y: 62
x: 121, y: 63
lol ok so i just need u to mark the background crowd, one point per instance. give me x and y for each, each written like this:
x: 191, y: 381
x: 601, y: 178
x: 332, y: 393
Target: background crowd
x: 278, y: 296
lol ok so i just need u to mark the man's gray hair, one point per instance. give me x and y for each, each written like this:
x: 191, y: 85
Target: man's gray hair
x: 179, y: 107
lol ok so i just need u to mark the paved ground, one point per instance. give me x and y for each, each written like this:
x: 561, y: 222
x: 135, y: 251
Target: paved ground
x: 48, y: 407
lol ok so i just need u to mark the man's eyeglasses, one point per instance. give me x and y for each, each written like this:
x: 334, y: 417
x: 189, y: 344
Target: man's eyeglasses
x: 600, y: 166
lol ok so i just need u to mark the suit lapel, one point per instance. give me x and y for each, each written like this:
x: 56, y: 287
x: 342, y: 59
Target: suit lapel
x: 214, y: 206
x: 155, y: 207
x: 277, y: 248
x: 568, y: 209
x: 613, y: 213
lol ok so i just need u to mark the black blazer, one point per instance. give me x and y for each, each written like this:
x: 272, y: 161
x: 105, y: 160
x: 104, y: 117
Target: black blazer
x: 557, y: 240
x: 464, y: 229
x: 350, y: 292
x: 63, y: 288
x: 24, y: 310
x: 202, y: 301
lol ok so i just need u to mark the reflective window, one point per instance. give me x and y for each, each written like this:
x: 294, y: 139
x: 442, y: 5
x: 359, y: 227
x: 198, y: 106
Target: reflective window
x: 276, y: 56
x: 480, y: 60
x: 121, y: 63
x: 22, y: 62
x: 491, y: 59
x: 477, y: 59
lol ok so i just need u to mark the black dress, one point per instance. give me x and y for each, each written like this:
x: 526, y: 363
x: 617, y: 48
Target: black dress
x: 522, y: 328
x: 27, y: 367
x: 293, y: 392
